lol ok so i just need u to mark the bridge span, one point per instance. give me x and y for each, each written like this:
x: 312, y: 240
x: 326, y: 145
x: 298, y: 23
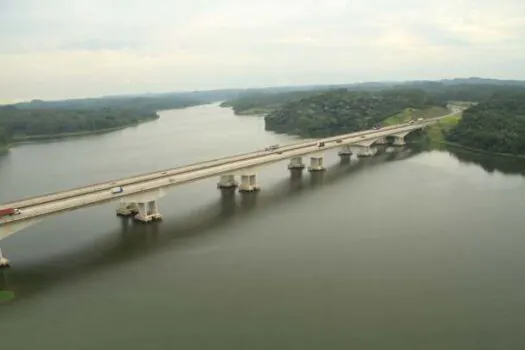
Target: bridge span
x: 137, y: 195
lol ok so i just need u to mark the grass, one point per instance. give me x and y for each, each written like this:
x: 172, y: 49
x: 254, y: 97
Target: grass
x: 6, y: 295
x: 400, y: 118
x: 435, y: 134
x: 412, y: 114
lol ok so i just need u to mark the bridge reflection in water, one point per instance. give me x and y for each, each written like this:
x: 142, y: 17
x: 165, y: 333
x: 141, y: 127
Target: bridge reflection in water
x: 134, y: 240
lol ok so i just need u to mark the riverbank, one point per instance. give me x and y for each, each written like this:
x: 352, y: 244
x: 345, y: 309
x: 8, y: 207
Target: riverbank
x: 39, y: 138
x: 254, y: 111
x: 435, y: 136
x: 480, y: 151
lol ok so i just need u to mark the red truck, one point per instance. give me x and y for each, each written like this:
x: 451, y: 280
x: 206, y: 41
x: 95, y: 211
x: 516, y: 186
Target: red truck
x: 9, y: 211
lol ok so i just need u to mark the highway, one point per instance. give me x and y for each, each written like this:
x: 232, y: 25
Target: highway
x: 107, y: 185
x: 98, y: 193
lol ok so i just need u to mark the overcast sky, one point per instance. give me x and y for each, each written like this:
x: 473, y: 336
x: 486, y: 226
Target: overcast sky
x: 54, y: 49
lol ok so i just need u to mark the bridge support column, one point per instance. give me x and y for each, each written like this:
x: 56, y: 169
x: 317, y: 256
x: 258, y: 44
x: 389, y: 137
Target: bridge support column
x: 399, y: 141
x: 345, y: 151
x: 296, y: 163
x: 381, y: 141
x: 227, y: 181
x: 127, y: 209
x: 147, y: 211
x: 4, y: 262
x: 366, y: 151
x: 248, y: 183
x: 316, y: 164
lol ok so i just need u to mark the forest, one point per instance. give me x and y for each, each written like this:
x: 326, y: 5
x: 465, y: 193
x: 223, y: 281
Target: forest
x: 341, y: 111
x: 472, y: 89
x: 41, y: 119
x: 496, y: 125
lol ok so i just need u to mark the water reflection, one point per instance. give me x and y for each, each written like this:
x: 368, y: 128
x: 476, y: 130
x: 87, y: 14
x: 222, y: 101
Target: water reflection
x: 490, y: 163
x: 135, y: 239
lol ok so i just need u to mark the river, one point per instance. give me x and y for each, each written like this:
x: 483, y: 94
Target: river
x: 405, y: 250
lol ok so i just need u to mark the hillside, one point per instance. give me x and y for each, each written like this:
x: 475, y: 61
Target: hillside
x: 19, y: 125
x: 264, y: 101
x: 342, y: 111
x: 496, y: 126
x: 143, y: 104
x: 39, y: 119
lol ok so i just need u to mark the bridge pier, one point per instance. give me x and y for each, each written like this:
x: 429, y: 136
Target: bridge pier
x: 227, y: 181
x: 345, y: 152
x: 147, y: 211
x: 248, y: 183
x: 316, y: 163
x: 381, y: 141
x: 399, y: 141
x: 127, y: 209
x: 366, y: 151
x: 296, y: 163
x: 4, y: 262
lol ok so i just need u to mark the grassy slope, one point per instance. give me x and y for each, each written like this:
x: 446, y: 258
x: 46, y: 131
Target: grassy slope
x: 435, y: 134
x: 412, y: 114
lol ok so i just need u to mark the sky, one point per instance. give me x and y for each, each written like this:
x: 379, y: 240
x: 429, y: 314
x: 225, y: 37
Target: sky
x: 57, y: 49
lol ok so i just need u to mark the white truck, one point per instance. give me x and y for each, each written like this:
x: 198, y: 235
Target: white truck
x: 116, y: 190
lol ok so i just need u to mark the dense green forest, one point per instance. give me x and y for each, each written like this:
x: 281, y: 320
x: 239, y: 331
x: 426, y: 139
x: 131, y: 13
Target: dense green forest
x: 264, y: 102
x: 342, y: 111
x: 472, y: 89
x: 496, y: 125
x: 16, y: 124
x: 139, y: 103
x: 41, y: 119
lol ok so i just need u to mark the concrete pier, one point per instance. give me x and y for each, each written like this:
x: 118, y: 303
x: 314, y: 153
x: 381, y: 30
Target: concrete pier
x: 4, y: 262
x: 296, y: 163
x: 227, y: 181
x: 316, y: 164
x: 345, y: 151
x: 248, y: 183
x: 381, y: 141
x: 366, y: 151
x: 399, y: 141
x: 127, y: 209
x: 147, y: 211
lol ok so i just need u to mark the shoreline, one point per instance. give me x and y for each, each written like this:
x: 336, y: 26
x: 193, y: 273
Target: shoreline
x: 480, y: 151
x: 41, y: 138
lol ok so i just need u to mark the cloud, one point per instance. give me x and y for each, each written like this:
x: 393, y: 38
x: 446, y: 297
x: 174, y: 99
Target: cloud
x: 56, y: 49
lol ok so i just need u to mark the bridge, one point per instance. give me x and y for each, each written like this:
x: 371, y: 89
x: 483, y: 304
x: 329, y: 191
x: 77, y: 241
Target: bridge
x: 137, y: 195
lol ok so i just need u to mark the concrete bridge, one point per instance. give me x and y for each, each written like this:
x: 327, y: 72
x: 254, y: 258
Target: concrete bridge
x: 138, y: 194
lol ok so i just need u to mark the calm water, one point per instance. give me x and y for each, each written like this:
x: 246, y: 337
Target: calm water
x: 406, y: 250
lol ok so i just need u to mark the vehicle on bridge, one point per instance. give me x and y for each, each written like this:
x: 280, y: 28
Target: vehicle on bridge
x: 9, y: 212
x: 116, y: 190
x: 377, y: 127
x: 272, y: 148
x: 321, y: 144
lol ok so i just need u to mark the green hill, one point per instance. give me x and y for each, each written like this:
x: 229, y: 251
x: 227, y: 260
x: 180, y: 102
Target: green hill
x: 342, y: 111
x: 496, y: 126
